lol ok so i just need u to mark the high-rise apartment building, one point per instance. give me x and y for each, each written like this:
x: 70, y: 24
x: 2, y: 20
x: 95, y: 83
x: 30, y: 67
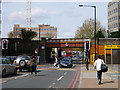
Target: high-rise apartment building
x: 114, y: 16
x: 41, y: 30
x: 0, y: 18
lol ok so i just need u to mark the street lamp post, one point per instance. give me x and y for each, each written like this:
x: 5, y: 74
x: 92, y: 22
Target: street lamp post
x: 95, y: 22
x: 38, y: 53
x: 39, y: 34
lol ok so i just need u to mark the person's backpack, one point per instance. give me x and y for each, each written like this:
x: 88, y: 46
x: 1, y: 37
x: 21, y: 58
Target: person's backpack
x: 104, y: 68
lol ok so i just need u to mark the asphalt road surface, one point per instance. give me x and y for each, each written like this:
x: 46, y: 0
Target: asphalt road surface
x: 47, y: 77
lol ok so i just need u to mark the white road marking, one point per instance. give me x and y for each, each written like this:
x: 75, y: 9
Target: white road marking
x: 65, y: 73
x: 10, y: 78
x: 115, y: 75
x: 20, y: 76
x: 60, y: 78
x: 51, y: 85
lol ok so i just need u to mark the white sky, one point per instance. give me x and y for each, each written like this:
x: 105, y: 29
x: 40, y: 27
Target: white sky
x: 66, y: 16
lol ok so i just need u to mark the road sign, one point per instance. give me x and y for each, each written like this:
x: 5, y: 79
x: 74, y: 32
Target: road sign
x: 113, y: 46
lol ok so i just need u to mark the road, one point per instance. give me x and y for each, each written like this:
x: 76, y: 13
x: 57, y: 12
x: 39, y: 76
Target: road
x: 47, y: 77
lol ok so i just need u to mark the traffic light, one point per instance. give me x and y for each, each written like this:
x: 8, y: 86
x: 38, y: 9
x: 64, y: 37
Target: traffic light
x: 87, y: 45
x: 4, y: 44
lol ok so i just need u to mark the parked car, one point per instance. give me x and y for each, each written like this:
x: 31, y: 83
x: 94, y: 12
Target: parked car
x: 22, y: 63
x: 6, y: 67
x: 66, y: 62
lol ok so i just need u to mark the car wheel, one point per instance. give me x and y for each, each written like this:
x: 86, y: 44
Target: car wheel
x: 22, y: 63
x: 15, y: 71
x: 4, y: 73
x: 29, y: 70
x: 60, y: 66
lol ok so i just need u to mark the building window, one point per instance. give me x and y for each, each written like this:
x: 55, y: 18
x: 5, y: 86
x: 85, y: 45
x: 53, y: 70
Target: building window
x: 69, y: 40
x: 65, y: 40
x: 110, y: 26
x: 61, y: 40
x: 116, y: 25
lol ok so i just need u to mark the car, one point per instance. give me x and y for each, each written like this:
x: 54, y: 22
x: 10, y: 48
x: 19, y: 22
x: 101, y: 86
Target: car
x: 7, y: 67
x: 22, y: 63
x: 66, y: 62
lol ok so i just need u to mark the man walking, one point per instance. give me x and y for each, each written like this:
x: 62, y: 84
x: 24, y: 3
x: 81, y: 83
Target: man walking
x: 97, y: 65
x: 33, y: 65
x: 87, y: 63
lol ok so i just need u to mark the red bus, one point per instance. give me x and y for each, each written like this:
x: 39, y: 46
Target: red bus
x: 68, y: 54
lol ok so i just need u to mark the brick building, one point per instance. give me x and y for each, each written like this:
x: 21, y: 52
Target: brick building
x: 41, y: 30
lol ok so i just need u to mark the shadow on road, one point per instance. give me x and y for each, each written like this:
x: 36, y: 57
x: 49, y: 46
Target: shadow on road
x: 11, y: 75
x: 41, y: 75
x: 107, y: 82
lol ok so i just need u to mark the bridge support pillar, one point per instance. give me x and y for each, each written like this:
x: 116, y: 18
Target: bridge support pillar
x: 43, y: 51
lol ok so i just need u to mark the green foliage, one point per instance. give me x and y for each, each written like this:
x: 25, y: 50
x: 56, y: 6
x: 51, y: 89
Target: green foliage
x: 10, y: 35
x: 27, y: 34
x: 87, y: 29
x: 115, y: 34
x: 99, y: 34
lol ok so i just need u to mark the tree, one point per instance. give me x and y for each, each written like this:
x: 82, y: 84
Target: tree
x: 87, y: 29
x: 115, y: 34
x: 27, y: 34
x: 99, y: 34
x: 10, y: 35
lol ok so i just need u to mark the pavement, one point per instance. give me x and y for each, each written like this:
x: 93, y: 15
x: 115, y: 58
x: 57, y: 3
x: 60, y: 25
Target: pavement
x: 110, y: 79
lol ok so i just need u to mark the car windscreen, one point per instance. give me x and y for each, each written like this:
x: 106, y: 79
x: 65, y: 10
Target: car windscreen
x: 23, y: 58
x: 65, y: 60
x: 68, y: 58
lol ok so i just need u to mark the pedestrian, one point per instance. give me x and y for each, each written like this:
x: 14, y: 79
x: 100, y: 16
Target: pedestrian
x: 97, y: 66
x: 56, y: 62
x: 87, y: 63
x: 33, y: 64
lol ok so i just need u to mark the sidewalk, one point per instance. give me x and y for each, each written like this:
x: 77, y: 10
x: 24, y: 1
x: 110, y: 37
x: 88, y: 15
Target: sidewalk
x: 89, y: 79
x: 43, y: 64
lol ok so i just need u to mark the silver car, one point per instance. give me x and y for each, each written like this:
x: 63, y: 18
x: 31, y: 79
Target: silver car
x: 6, y: 67
x: 22, y: 63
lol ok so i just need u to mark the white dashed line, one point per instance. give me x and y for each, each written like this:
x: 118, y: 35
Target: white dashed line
x: 51, y: 85
x: 10, y: 78
x: 60, y: 78
x: 65, y: 73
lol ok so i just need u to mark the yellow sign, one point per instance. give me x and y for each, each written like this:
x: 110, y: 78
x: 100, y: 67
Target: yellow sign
x: 113, y: 46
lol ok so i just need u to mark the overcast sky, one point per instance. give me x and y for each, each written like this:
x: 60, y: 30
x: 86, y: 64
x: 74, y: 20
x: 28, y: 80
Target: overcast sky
x: 66, y: 16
